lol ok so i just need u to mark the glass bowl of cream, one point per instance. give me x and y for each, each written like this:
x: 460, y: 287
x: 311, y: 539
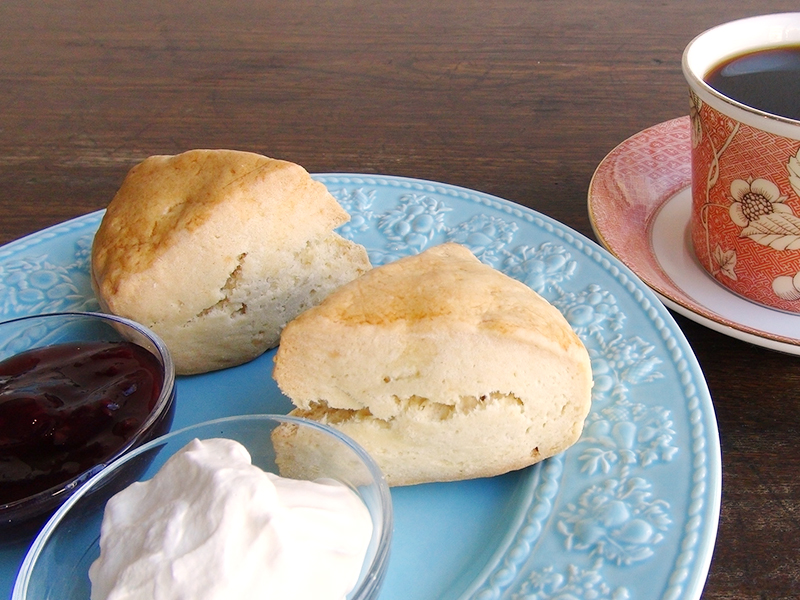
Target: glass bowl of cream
x: 77, y: 391
x: 226, y: 508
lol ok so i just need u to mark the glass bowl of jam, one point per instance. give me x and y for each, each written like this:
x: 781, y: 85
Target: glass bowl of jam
x: 77, y: 390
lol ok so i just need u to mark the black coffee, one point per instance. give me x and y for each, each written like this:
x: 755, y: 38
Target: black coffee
x: 768, y: 80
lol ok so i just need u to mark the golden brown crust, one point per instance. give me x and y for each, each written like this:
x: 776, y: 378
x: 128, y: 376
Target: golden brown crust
x: 164, y: 199
x: 449, y: 285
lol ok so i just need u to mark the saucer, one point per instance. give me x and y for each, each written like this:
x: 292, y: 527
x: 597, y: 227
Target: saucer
x: 639, y: 207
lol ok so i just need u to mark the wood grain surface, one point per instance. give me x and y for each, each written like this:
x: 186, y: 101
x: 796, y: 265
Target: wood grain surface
x: 517, y: 98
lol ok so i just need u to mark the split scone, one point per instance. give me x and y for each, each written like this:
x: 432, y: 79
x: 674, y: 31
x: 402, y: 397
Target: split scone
x: 216, y: 250
x: 441, y: 367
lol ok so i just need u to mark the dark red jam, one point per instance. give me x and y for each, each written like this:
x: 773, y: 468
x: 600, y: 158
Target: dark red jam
x: 65, y: 408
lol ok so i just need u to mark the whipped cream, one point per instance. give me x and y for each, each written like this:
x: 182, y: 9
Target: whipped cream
x: 212, y: 526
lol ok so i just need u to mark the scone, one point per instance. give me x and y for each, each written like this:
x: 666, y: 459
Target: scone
x: 216, y: 250
x: 441, y: 367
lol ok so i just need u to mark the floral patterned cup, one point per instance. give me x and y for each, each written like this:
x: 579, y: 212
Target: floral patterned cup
x: 745, y: 225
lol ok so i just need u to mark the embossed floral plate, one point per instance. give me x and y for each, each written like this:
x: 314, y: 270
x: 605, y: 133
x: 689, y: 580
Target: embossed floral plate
x: 630, y: 511
x: 639, y: 205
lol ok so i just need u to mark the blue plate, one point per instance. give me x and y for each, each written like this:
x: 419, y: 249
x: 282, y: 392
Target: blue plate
x: 630, y: 511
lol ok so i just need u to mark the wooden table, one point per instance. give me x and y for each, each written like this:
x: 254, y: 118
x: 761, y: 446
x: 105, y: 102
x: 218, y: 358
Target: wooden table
x: 518, y: 98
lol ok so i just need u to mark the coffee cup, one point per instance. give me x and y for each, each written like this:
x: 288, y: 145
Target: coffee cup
x: 745, y: 223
